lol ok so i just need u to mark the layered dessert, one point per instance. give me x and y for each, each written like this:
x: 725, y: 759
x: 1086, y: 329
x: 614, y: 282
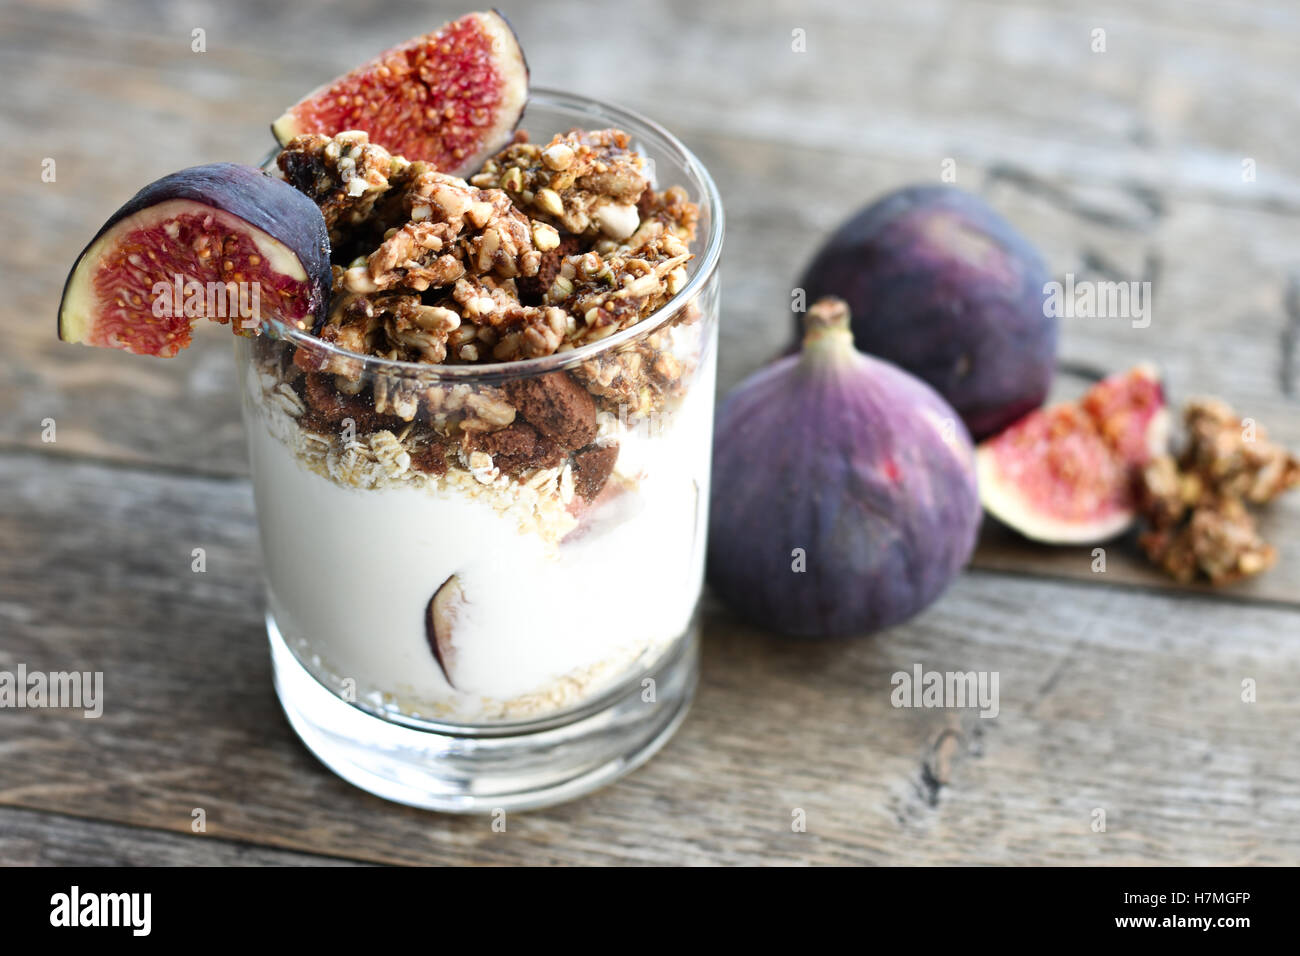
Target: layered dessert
x: 460, y: 547
x: 476, y: 353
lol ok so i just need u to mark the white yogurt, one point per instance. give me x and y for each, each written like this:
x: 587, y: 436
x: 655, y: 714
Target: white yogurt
x: 351, y: 572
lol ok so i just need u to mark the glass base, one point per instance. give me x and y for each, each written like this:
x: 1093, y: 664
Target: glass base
x: 481, y: 770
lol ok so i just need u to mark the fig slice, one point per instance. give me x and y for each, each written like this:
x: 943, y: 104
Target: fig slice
x: 223, y: 241
x: 451, y: 97
x: 443, y: 612
x: 1066, y: 474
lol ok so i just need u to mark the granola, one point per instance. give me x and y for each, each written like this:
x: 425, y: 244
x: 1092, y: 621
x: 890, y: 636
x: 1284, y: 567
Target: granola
x: 346, y: 175
x: 609, y: 293
x: 380, y: 452
x: 453, y: 230
x: 639, y: 380
x: 586, y: 183
x: 550, y: 247
x: 508, y: 431
x: 1232, y: 456
x: 1194, y: 505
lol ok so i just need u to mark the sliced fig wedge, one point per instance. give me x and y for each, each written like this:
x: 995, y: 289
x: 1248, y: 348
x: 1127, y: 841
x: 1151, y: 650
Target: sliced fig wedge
x: 450, y: 98
x: 440, y: 622
x: 221, y: 241
x: 1065, y: 474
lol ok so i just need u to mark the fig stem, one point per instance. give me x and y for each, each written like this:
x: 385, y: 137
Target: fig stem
x: 826, y: 324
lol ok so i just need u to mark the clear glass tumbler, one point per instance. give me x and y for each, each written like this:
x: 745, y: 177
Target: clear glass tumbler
x: 455, y: 635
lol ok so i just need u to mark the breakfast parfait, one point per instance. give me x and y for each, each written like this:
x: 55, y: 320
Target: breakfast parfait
x: 483, y: 523
x: 477, y: 367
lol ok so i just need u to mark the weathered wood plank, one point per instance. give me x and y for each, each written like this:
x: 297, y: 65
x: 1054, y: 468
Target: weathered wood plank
x: 30, y: 838
x: 894, y: 79
x: 1115, y: 699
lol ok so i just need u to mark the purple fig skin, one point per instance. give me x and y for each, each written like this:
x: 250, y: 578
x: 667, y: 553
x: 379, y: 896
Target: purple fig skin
x: 270, y: 204
x: 944, y: 287
x: 859, y: 464
x: 439, y: 618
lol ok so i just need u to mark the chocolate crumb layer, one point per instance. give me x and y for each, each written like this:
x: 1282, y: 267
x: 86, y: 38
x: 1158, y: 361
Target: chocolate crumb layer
x: 328, y: 407
x: 557, y: 406
x: 516, y: 448
x: 592, y: 467
x: 431, y: 459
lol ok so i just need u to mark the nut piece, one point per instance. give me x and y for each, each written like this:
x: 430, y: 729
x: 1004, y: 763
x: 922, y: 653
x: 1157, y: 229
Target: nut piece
x: 613, y: 292
x: 570, y: 180
x: 545, y: 238
x: 549, y: 202
x: 617, y: 220
x: 558, y: 157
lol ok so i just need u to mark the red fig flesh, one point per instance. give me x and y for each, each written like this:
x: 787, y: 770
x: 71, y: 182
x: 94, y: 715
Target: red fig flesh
x: 223, y: 241
x: 450, y: 98
x: 1065, y: 474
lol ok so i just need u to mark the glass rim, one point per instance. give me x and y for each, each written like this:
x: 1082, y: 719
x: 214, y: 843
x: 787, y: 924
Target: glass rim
x: 708, y: 263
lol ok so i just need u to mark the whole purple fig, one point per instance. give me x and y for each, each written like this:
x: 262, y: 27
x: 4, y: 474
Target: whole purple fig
x: 944, y: 287
x: 844, y: 494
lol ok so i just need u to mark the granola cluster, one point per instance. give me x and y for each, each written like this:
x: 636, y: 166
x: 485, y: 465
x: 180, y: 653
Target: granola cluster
x: 448, y: 229
x: 586, y: 183
x: 549, y: 247
x: 345, y: 175
x: 1195, y: 504
x: 636, y: 381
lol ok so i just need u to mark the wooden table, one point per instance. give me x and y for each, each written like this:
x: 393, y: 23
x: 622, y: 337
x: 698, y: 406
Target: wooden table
x: 1119, y: 690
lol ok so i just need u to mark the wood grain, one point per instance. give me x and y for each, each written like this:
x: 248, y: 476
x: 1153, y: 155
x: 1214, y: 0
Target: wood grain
x: 30, y: 838
x: 1109, y: 698
x: 1119, y: 690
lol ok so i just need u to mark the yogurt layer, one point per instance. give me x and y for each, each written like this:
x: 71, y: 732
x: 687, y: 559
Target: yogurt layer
x: 556, y: 598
